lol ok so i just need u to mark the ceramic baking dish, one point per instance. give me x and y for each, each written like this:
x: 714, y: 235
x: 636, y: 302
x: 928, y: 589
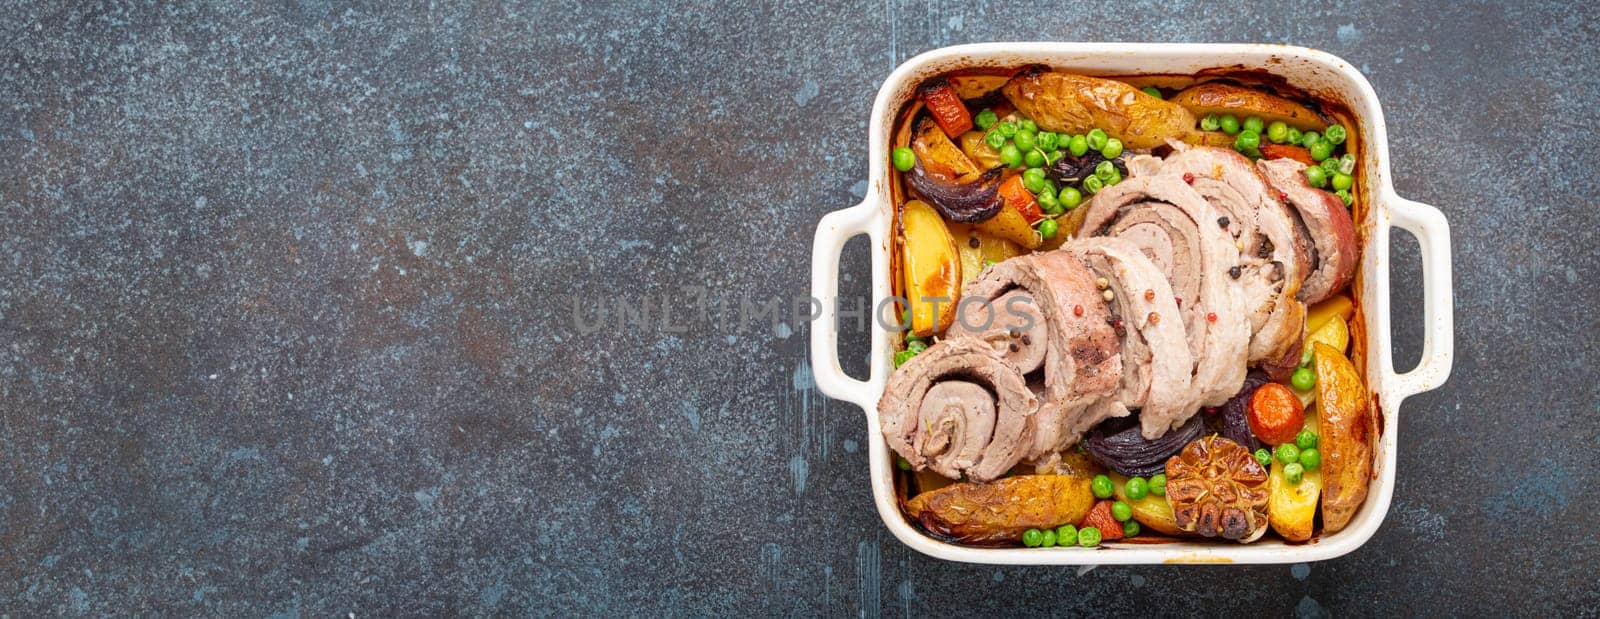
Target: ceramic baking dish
x: 1317, y: 72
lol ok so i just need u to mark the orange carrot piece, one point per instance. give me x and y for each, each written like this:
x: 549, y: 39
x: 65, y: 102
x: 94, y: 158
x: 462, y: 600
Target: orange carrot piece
x: 946, y: 107
x: 1018, y: 197
x: 1285, y: 151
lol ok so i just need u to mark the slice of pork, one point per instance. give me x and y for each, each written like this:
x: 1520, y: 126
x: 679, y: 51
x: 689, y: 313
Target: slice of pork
x: 1156, y: 362
x: 1011, y: 323
x: 958, y: 408
x: 1081, y: 364
x: 1177, y: 229
x: 1325, y: 221
x: 1272, y: 256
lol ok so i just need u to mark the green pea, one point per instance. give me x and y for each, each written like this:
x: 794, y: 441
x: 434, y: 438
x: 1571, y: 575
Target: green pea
x: 1049, y: 202
x: 1078, y: 145
x: 1104, y: 170
x: 1248, y: 141
x: 917, y: 347
x: 1050, y: 184
x: 1294, y: 136
x: 995, y: 140
x: 1329, y: 165
x: 902, y: 463
x: 1101, y: 486
x: 1047, y: 228
x: 1006, y: 128
x: 1047, y: 140
x: 1308, y: 138
x: 1294, y: 473
x: 1070, y: 198
x: 1136, y: 488
x: 1311, y: 459
x: 1230, y: 124
x: 1116, y: 177
x: 1028, y: 125
x: 1011, y: 155
x: 1158, y: 484
x: 1321, y: 150
x: 1032, y: 538
x: 1121, y: 511
x: 900, y: 358
x: 1113, y: 148
x: 1254, y: 123
x: 1088, y: 537
x: 1033, y: 179
x: 1210, y: 123
x: 1316, y: 176
x: 904, y: 159
x: 1050, y: 157
x: 1334, y: 134
x: 1067, y: 534
x: 1344, y: 194
x: 1097, y: 139
x: 1306, y: 439
x: 1048, y: 538
x: 1347, y: 163
x: 1024, y: 139
x: 1278, y: 131
x: 1303, y: 379
x: 1264, y: 457
x: 1093, y: 184
x: 911, y: 336
x: 1287, y: 453
x: 1033, y: 158
x: 986, y: 119
x: 1151, y: 90
x: 1130, y: 528
x: 1340, y: 180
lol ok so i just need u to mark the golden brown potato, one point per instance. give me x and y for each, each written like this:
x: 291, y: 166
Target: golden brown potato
x: 999, y: 511
x: 939, y: 155
x: 932, y: 268
x: 1067, y: 225
x: 1011, y: 225
x: 1346, y: 441
x: 974, y: 86
x: 979, y: 151
x: 1153, y: 512
x: 1292, y: 508
x: 990, y: 248
x: 1070, y: 103
x: 1218, y: 98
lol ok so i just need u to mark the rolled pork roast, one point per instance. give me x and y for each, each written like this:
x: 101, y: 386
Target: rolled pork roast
x: 1324, y: 221
x: 959, y: 408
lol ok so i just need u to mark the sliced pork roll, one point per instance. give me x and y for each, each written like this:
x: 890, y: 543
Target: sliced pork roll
x: 958, y: 408
x: 1272, y: 256
x: 1324, y: 220
x: 1156, y: 363
x: 1177, y: 229
x: 1070, y: 336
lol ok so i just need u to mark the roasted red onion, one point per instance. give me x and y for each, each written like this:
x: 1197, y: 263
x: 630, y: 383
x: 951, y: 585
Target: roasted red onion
x: 966, y: 203
x: 1234, y: 422
x: 1119, y: 444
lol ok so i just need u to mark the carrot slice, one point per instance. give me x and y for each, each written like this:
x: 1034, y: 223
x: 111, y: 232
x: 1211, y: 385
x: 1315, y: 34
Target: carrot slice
x: 1285, y: 151
x: 946, y: 107
x: 1018, y: 197
x: 1100, y: 517
x: 1275, y: 414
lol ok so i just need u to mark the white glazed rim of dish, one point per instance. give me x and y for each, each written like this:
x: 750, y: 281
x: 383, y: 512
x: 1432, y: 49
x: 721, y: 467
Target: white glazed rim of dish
x: 1306, y: 68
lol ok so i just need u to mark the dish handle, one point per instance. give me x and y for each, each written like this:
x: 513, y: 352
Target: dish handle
x: 833, y: 232
x: 1438, y: 344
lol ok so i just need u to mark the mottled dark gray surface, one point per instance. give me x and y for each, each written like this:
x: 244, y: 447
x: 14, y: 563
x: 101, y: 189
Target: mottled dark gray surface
x: 284, y: 326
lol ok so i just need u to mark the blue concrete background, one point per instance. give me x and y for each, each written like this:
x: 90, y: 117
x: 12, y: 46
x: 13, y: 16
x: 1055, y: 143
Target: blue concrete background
x: 287, y: 326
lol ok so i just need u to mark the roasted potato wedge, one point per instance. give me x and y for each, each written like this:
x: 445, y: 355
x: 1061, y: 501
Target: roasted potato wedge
x: 932, y: 268
x: 939, y: 155
x: 999, y: 511
x: 1219, y: 98
x: 1347, y: 437
x: 975, y: 86
x: 1152, y: 512
x: 978, y: 150
x: 1071, y: 103
x: 1224, y: 98
x: 1067, y: 225
x: 1291, y: 508
x: 1335, y: 333
x: 1011, y: 225
x: 990, y: 248
x: 1337, y: 305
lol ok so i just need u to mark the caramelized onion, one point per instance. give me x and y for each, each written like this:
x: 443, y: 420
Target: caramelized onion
x: 966, y: 203
x: 1119, y: 444
x: 1235, y: 422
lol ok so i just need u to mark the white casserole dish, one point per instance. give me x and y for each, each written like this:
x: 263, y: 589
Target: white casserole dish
x: 1314, y: 71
